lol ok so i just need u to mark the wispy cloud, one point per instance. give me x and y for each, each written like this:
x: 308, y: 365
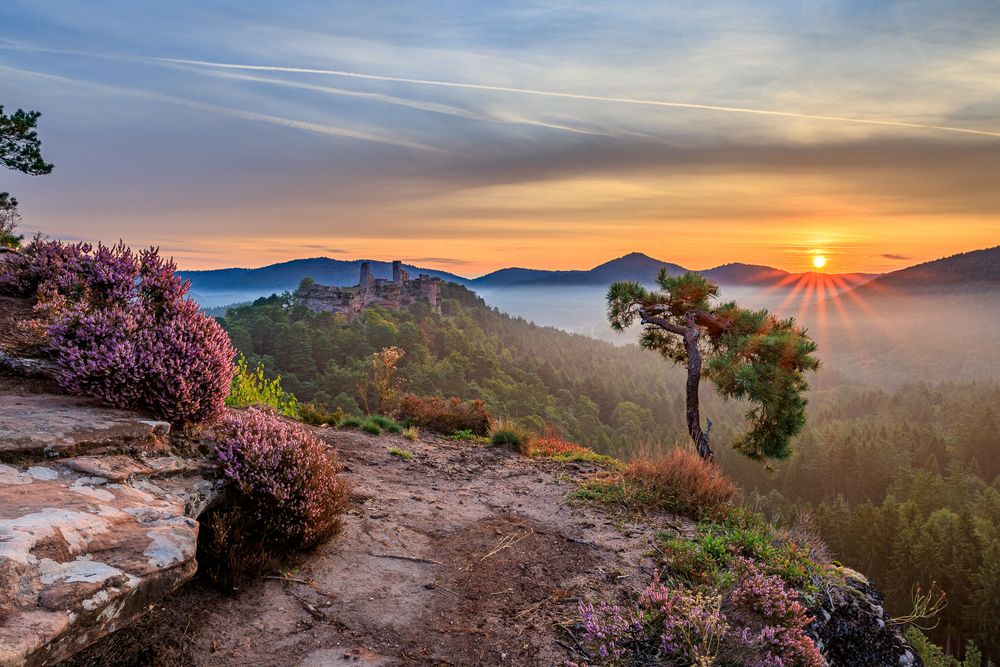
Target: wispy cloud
x: 580, y: 96
x: 894, y: 256
x: 226, y: 111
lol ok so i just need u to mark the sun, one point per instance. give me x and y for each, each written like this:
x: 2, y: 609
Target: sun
x: 819, y: 261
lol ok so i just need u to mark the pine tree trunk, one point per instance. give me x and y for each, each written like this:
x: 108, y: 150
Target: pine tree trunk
x: 693, y: 411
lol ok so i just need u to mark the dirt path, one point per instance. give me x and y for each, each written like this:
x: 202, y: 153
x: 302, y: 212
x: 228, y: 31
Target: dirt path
x: 465, y: 555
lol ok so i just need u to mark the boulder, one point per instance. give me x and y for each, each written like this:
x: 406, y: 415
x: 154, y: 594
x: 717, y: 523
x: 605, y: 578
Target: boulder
x: 851, y: 626
x: 97, y: 523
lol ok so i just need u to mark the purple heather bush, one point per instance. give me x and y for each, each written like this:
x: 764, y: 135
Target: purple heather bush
x: 283, y: 477
x: 758, y: 622
x: 122, y: 328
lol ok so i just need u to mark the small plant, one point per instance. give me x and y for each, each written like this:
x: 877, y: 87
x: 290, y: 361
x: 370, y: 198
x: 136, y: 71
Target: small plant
x: 445, y: 416
x: 411, y: 433
x: 680, y: 482
x: 506, y: 433
x: 310, y: 413
x: 373, y: 427
x: 404, y: 454
x: 466, y: 435
x: 385, y: 423
x: 551, y: 445
x: 254, y: 388
x: 383, y: 381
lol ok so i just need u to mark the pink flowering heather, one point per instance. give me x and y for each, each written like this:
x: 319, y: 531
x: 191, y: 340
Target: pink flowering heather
x: 122, y: 328
x: 773, y: 622
x: 283, y: 476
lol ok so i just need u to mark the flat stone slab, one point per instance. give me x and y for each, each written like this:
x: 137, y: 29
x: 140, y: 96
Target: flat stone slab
x: 82, y: 556
x: 40, y: 425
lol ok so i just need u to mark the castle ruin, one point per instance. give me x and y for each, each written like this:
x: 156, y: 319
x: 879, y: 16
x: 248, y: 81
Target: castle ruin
x: 401, y: 291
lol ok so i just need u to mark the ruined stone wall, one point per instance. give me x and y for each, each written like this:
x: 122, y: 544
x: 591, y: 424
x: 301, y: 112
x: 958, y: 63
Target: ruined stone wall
x: 351, y: 301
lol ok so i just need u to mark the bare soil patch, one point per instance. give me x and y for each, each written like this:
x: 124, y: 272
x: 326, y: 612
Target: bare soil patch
x: 465, y: 555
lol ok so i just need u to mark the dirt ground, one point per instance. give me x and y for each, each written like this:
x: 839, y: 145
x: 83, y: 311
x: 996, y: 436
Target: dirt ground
x: 465, y: 555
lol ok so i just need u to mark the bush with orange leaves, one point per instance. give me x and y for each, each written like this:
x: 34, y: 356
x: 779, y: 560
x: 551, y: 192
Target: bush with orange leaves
x: 445, y: 416
x: 680, y: 482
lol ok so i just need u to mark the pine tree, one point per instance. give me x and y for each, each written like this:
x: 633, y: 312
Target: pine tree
x: 751, y: 354
x: 20, y: 150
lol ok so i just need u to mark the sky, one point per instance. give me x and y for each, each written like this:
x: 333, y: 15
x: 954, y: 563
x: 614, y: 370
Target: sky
x: 469, y: 136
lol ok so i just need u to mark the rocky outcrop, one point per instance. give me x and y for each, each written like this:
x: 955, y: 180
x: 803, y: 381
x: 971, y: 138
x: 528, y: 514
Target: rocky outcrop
x: 851, y: 627
x: 97, y: 522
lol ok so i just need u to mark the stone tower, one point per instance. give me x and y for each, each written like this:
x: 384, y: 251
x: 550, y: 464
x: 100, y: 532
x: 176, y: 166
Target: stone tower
x: 366, y: 277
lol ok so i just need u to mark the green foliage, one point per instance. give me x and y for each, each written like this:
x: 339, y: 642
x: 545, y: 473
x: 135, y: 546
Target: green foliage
x: 9, y: 219
x: 20, y: 147
x: 934, y: 656
x: 404, y: 454
x: 750, y: 355
x: 467, y: 435
x: 710, y: 555
x: 252, y: 387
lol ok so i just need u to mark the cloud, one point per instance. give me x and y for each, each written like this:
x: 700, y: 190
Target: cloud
x: 889, y: 255
x: 327, y: 249
x: 886, y: 122
x: 440, y: 260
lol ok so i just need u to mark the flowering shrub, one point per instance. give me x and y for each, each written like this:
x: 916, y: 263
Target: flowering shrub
x: 763, y: 625
x: 772, y: 620
x: 670, y: 625
x: 284, y: 477
x: 122, y: 328
x: 444, y: 415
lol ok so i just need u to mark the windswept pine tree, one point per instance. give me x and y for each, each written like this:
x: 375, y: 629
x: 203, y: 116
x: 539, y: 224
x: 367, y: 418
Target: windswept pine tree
x: 20, y: 150
x: 747, y: 354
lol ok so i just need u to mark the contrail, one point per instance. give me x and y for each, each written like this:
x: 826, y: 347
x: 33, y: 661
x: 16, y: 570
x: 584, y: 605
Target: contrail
x: 226, y: 111
x: 580, y: 96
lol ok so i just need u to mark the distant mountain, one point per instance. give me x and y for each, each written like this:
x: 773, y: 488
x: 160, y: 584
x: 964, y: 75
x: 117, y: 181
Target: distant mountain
x: 220, y: 287
x: 634, y: 266
x: 745, y: 274
x: 973, y: 271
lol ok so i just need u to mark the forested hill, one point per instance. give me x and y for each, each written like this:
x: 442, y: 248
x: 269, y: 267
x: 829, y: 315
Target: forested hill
x: 593, y: 391
x: 919, y: 462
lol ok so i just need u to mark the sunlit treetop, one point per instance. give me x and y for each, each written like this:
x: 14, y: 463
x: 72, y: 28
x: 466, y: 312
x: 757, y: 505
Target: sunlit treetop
x: 749, y: 354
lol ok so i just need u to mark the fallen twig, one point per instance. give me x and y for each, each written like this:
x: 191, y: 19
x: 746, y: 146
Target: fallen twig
x: 413, y: 559
x: 506, y: 542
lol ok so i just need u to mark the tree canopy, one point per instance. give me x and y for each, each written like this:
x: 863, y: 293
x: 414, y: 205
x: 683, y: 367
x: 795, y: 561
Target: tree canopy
x: 751, y: 355
x: 20, y: 147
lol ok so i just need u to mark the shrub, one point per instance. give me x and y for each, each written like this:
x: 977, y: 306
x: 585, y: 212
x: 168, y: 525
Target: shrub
x: 122, y: 328
x: 385, y: 423
x: 757, y: 621
x: 506, y: 433
x: 254, y: 388
x: 369, y: 426
x: 444, y: 415
x: 382, y: 380
x: 551, y: 445
x: 310, y: 413
x: 283, y: 477
x: 680, y: 482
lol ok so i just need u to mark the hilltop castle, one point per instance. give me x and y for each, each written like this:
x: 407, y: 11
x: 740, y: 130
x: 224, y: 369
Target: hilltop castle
x: 370, y: 291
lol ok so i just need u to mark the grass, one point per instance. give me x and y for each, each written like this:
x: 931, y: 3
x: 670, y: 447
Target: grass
x: 679, y: 482
x: 404, y: 454
x: 709, y: 556
x: 507, y: 433
x: 411, y: 433
x: 467, y: 435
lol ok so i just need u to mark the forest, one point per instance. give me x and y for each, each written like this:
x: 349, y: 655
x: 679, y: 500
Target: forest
x: 901, y: 484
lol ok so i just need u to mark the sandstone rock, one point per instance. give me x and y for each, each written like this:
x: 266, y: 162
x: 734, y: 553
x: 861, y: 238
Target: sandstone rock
x: 97, y: 522
x: 39, y: 425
